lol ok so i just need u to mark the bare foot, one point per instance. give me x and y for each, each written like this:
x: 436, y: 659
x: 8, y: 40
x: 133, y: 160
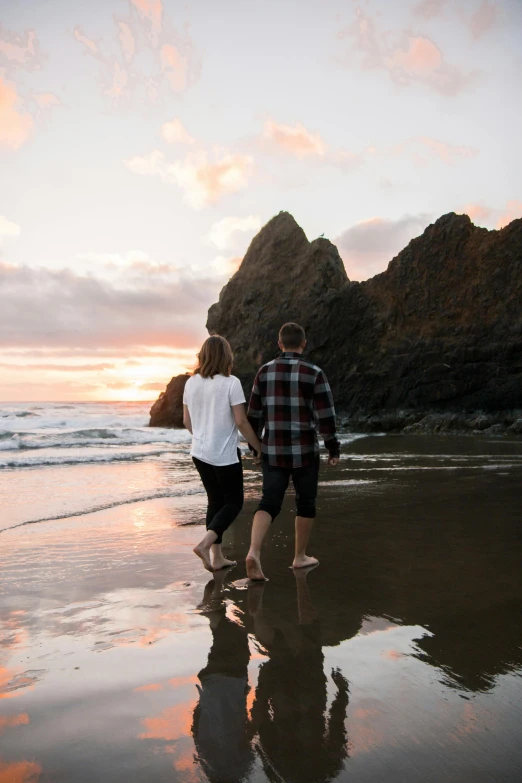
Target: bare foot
x: 254, y: 570
x: 219, y: 585
x: 305, y: 562
x: 207, y: 595
x: 203, y: 552
x: 255, y: 598
x: 221, y: 562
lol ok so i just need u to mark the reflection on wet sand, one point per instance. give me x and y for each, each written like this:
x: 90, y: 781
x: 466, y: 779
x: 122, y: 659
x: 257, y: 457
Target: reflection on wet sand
x: 399, y: 658
x: 290, y: 728
x: 19, y: 772
x: 291, y: 697
x: 220, y: 723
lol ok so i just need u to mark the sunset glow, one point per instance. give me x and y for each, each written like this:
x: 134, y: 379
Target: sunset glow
x: 144, y: 143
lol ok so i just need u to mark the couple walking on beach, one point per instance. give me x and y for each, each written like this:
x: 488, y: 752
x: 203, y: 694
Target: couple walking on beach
x: 290, y: 401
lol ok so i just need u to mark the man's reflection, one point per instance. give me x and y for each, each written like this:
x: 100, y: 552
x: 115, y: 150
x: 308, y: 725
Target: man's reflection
x: 295, y: 736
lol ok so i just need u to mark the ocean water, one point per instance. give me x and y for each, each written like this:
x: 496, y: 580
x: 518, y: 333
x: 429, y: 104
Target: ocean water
x: 63, y: 459
x: 60, y: 459
x: 67, y: 459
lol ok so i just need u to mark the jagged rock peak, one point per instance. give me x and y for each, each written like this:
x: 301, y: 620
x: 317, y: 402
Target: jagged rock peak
x: 282, y: 251
x: 280, y: 241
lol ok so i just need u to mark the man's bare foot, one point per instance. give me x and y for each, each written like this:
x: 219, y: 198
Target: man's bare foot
x: 221, y: 562
x: 305, y: 562
x: 203, y: 552
x: 254, y: 570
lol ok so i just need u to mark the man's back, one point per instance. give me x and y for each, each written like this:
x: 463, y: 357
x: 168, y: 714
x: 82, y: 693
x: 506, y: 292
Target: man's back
x: 291, y: 399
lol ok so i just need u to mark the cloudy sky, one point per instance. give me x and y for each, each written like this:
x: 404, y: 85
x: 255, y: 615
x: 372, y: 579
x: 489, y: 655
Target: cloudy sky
x: 144, y: 142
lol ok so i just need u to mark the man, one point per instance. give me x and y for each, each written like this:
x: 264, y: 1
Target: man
x: 290, y: 399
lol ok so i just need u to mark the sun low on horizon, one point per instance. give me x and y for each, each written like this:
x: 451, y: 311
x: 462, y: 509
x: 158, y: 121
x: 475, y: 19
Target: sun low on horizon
x: 144, y: 143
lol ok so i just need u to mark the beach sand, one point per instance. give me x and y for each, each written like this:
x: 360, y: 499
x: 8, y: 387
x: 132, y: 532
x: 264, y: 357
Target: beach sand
x: 399, y: 658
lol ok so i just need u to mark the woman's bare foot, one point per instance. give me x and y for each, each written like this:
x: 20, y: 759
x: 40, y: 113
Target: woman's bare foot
x: 304, y: 561
x: 254, y: 570
x: 221, y: 562
x: 207, y: 595
x: 219, y: 585
x: 203, y: 552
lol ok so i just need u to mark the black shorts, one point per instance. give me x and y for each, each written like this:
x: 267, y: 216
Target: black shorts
x: 275, y: 484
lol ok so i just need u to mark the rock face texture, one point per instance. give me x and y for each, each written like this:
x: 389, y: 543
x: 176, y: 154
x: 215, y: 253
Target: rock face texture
x: 167, y: 411
x: 439, y: 332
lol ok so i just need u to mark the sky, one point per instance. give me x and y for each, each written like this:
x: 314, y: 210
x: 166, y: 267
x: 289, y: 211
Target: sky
x: 143, y: 143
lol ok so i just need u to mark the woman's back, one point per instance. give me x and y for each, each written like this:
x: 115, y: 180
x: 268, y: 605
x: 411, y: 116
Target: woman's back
x: 215, y: 437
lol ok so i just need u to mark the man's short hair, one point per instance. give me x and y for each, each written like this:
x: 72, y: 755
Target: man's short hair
x: 292, y: 336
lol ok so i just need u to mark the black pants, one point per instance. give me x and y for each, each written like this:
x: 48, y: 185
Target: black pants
x: 224, y: 486
x: 275, y: 484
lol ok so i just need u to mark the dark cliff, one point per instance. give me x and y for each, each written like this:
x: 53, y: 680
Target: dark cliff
x: 440, y: 331
x: 167, y: 411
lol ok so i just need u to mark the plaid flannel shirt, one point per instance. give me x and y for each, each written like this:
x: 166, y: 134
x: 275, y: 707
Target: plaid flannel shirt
x: 291, y: 400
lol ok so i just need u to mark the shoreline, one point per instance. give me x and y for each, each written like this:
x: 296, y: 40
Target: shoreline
x: 476, y: 423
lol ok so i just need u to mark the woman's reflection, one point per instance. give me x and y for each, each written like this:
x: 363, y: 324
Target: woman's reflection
x: 220, y: 726
x: 293, y: 733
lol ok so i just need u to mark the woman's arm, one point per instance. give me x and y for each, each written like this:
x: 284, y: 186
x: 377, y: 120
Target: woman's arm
x: 245, y: 428
x: 186, y: 419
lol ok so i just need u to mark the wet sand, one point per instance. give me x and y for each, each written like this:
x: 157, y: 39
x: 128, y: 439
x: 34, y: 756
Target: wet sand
x: 399, y: 658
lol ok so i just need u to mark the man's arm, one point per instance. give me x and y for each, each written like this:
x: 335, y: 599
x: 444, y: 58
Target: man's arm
x: 325, y: 415
x: 256, y: 414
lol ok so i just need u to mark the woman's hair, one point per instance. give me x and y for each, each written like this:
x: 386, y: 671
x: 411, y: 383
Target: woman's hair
x: 215, y: 357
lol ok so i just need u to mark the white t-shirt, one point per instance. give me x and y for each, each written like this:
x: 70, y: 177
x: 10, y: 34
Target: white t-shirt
x: 215, y: 438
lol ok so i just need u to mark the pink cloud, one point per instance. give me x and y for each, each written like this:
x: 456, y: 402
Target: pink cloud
x: 15, y: 51
x: 204, y: 176
x: 90, y: 45
x: 152, y: 387
x: 423, y: 149
x: 420, y: 60
x: 512, y: 211
x: 100, y: 366
x: 8, y: 229
x: 294, y: 139
x: 429, y: 9
x: 59, y: 308
x: 171, y: 61
x: 476, y: 212
x: 407, y: 58
x: 205, y: 180
x: 483, y: 19
x: 46, y: 99
x: 127, y: 41
x: 175, y: 133
x: 119, y: 85
x: 15, y: 126
x: 174, y: 67
x: 152, y: 11
x: 421, y: 56
x: 448, y: 153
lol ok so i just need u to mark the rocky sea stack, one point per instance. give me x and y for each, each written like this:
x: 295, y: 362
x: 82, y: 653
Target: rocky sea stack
x: 432, y: 343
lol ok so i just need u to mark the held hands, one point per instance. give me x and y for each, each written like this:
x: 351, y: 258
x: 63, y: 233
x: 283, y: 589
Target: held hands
x: 256, y: 454
x: 333, y: 461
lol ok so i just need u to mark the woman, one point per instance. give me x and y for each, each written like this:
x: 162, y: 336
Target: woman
x: 213, y: 412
